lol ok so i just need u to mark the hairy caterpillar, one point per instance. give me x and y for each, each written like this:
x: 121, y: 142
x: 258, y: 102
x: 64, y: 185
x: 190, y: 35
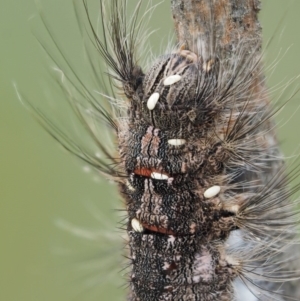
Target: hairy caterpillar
x: 146, y: 170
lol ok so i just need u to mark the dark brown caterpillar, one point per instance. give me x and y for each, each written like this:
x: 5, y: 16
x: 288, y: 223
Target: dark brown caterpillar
x: 203, y: 180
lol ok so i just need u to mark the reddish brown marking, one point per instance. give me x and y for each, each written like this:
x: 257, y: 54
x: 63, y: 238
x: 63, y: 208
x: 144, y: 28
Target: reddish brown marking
x: 159, y: 230
x: 145, y: 172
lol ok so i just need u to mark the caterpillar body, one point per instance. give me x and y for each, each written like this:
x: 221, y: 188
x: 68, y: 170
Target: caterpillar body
x: 209, y: 215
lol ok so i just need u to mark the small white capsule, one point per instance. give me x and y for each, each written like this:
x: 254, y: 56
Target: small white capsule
x: 159, y: 176
x: 172, y: 79
x: 136, y: 225
x: 212, y: 191
x: 152, y: 101
x: 176, y: 142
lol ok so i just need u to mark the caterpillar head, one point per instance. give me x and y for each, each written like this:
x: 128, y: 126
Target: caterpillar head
x: 178, y: 89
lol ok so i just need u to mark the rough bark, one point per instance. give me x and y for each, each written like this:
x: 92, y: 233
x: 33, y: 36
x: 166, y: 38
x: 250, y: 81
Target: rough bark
x: 228, y: 21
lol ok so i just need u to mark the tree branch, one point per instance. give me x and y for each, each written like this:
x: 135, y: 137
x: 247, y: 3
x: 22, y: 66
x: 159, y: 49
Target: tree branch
x: 216, y: 25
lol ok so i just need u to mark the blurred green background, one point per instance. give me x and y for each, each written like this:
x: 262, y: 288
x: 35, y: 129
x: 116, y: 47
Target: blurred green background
x: 41, y: 184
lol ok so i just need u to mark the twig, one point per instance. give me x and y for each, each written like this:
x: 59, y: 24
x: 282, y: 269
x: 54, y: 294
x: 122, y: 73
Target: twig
x: 229, y: 21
